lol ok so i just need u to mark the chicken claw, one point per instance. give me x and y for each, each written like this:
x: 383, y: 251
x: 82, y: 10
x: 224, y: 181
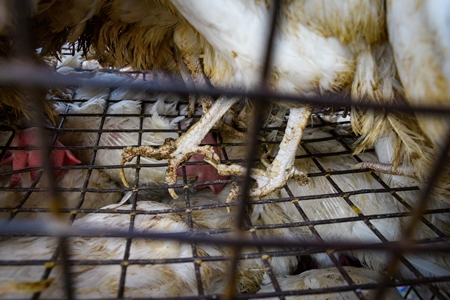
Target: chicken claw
x: 159, y: 153
x: 167, y: 151
x: 266, y: 183
x: 187, y: 145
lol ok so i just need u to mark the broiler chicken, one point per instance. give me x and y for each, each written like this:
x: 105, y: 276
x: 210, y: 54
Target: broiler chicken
x: 429, y: 264
x: 34, y: 204
x: 16, y: 113
x: 318, y: 49
x: 251, y: 273
x: 160, y: 280
x: 351, y: 199
x: 73, y: 179
x: 419, y: 35
x: 148, y: 279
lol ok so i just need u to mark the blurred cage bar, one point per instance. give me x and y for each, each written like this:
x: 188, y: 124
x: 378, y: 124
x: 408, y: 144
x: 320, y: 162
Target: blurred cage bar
x: 48, y: 219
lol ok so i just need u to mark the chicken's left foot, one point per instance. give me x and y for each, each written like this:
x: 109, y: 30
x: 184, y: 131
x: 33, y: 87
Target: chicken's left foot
x: 265, y: 181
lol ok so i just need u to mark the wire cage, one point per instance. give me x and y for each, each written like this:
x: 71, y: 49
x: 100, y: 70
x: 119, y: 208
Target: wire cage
x: 87, y: 236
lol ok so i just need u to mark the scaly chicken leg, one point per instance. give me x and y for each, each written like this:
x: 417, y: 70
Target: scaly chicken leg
x: 387, y: 168
x: 282, y: 168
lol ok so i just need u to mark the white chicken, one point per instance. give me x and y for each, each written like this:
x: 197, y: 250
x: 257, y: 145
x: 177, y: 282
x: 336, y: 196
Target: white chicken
x: 420, y: 37
x: 251, y: 272
x: 201, y: 212
x: 71, y: 200
x: 158, y: 280
x: 54, y: 23
x: 152, y: 279
x: 354, y: 56
x: 432, y: 263
x: 340, y: 47
x: 351, y: 200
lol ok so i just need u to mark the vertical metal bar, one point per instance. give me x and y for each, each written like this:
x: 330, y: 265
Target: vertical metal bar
x: 25, y: 52
x: 259, y: 107
x: 133, y: 201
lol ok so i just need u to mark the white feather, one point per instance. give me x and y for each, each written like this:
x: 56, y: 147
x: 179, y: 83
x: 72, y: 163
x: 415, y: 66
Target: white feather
x: 130, y: 104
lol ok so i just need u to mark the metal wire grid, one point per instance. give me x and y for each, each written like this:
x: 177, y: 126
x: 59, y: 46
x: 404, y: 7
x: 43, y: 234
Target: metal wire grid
x: 344, y: 141
x: 60, y: 255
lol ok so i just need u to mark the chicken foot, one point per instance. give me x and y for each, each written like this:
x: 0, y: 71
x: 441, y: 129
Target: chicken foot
x: 187, y: 145
x: 282, y: 167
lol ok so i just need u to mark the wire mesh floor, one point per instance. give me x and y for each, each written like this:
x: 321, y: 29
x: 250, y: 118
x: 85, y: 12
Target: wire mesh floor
x: 138, y: 242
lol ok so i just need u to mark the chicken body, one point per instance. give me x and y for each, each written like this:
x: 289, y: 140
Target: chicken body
x: 433, y: 263
x: 74, y: 179
x: 418, y: 33
x: 317, y: 50
x: 102, y: 281
x: 38, y: 199
x: 200, y: 212
x: 420, y: 37
x: 315, y: 208
x: 57, y: 22
x: 252, y: 272
x: 97, y: 104
x: 156, y: 280
x: 351, y: 38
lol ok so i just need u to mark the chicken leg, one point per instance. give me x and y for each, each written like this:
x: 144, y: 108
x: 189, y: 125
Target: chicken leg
x: 387, y: 168
x: 282, y: 168
x: 386, y: 150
